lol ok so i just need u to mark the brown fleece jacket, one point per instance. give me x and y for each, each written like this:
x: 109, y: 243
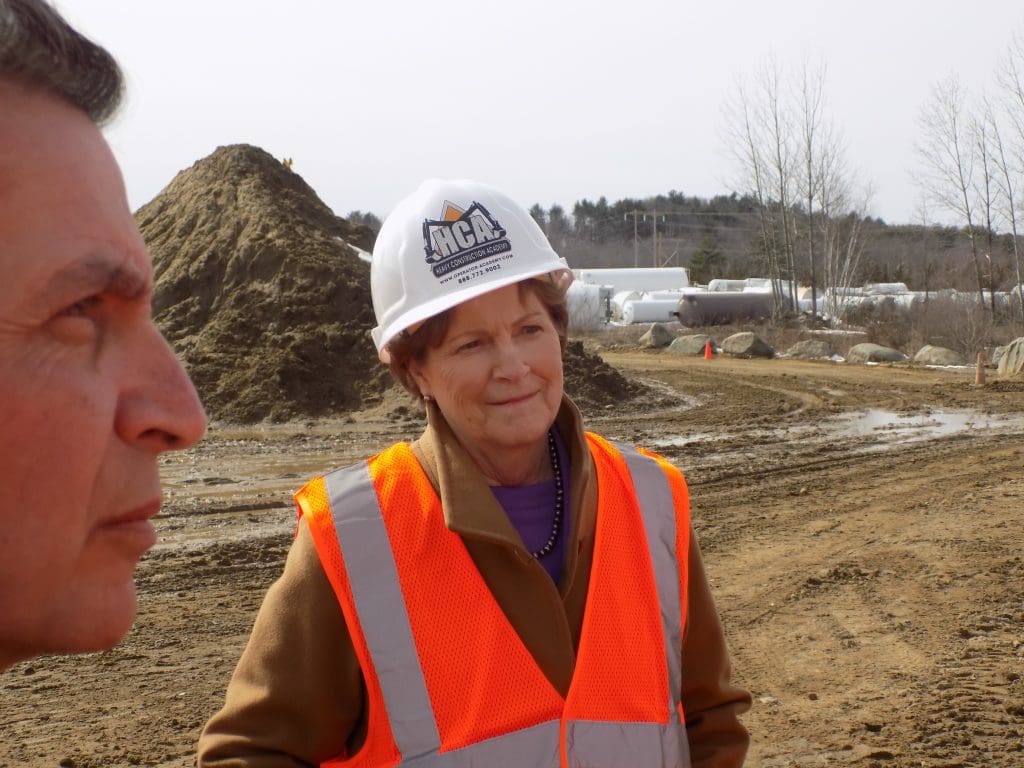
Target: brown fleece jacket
x: 296, y: 697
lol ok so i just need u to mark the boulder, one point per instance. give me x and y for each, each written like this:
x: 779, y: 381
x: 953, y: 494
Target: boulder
x: 747, y: 344
x: 874, y: 353
x: 929, y: 355
x: 812, y: 349
x: 657, y: 336
x: 1012, y: 361
x: 691, y: 345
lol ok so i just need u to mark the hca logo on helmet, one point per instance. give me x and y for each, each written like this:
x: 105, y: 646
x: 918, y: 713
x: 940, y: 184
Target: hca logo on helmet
x: 462, y: 237
x: 482, y: 240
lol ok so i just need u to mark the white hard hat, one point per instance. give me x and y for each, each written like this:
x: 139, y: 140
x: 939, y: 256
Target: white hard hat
x: 448, y: 242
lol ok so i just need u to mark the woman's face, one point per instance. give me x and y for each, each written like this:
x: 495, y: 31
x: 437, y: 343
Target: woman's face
x: 497, y: 375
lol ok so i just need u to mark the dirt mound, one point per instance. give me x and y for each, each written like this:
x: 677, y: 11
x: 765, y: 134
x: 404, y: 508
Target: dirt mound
x: 593, y: 384
x: 259, y: 290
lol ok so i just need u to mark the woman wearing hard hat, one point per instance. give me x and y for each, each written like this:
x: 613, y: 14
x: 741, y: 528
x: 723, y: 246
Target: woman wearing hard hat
x: 508, y: 590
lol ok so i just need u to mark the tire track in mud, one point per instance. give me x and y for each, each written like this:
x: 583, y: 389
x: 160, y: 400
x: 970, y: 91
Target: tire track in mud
x: 871, y: 599
x: 799, y: 627
x: 972, y: 699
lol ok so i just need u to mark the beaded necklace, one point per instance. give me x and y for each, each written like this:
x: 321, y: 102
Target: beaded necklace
x: 556, y: 523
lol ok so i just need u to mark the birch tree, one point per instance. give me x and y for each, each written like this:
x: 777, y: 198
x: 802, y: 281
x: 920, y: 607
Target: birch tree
x: 780, y: 155
x: 746, y: 142
x: 945, y: 153
x: 983, y: 190
x: 760, y: 131
x: 790, y: 157
x: 842, y: 226
x: 1009, y: 155
x: 810, y: 103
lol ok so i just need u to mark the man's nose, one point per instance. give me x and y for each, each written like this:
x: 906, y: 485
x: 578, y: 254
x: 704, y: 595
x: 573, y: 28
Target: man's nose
x: 159, y: 409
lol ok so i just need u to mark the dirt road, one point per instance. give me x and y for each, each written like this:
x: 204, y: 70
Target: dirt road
x: 862, y: 527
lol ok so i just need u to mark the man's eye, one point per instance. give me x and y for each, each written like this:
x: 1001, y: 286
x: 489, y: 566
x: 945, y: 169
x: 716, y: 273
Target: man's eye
x: 82, y: 307
x: 78, y: 323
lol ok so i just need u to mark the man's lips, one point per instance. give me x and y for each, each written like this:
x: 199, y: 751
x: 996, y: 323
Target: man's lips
x: 140, y: 514
x: 133, y: 527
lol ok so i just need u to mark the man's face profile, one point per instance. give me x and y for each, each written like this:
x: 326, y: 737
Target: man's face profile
x: 90, y: 393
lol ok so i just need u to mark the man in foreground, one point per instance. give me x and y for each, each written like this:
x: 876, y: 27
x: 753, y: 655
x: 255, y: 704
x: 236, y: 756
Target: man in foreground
x: 90, y: 392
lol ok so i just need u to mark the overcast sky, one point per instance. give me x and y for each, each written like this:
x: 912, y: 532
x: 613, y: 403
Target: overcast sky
x: 552, y: 100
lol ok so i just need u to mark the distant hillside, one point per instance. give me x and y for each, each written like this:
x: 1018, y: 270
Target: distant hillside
x: 720, y: 237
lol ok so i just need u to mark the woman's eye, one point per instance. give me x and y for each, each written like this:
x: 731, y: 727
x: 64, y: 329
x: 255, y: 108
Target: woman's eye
x: 468, y: 346
x: 532, y: 329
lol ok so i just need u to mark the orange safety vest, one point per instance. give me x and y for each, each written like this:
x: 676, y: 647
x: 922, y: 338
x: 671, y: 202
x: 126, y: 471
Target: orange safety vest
x: 448, y: 680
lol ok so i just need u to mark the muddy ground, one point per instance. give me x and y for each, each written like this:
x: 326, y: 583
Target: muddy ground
x: 861, y: 525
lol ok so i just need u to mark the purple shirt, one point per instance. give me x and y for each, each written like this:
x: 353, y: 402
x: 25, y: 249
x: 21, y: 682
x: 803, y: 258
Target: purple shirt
x: 531, y: 509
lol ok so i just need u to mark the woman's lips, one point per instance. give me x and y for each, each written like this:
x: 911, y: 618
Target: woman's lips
x: 514, y: 400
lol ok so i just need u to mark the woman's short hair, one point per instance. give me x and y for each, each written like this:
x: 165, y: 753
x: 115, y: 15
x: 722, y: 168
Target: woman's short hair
x: 407, y: 347
x: 39, y: 49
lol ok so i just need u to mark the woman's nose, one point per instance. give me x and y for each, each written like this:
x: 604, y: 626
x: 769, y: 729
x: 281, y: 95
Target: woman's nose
x: 510, y: 362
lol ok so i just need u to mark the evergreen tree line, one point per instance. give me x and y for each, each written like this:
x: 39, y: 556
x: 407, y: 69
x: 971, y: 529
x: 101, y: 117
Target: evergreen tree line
x: 721, y: 237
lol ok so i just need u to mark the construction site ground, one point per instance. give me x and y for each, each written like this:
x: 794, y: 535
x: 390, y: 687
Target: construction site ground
x: 862, y: 527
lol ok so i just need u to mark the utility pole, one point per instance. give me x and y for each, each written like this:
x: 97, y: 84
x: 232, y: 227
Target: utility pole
x: 654, y: 245
x: 636, y: 238
x: 636, y: 244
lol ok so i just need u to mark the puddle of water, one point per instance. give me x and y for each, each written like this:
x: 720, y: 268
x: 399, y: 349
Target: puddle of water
x: 885, y: 428
x: 896, y: 428
x: 681, y: 440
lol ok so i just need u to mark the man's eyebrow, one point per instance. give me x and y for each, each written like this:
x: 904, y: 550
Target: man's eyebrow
x: 98, y: 274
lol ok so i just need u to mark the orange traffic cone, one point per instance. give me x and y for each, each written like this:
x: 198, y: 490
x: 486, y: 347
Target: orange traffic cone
x: 707, y: 349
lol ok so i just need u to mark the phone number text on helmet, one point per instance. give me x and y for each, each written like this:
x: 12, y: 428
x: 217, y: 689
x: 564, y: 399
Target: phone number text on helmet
x: 491, y: 266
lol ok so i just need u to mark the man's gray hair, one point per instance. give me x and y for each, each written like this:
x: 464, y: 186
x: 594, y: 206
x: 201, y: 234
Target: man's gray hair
x: 38, y: 49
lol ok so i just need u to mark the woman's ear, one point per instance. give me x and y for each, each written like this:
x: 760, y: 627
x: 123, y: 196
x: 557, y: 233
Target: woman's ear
x: 419, y: 378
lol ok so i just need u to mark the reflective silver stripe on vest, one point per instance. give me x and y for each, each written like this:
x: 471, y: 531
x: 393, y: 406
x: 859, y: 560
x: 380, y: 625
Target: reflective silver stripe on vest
x: 535, y: 747
x: 373, y: 579
x: 626, y: 745
x: 588, y: 745
x: 658, y: 511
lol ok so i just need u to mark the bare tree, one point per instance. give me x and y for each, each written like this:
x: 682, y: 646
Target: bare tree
x: 781, y: 162
x: 1010, y: 160
x: 746, y: 141
x: 810, y: 98
x: 792, y: 161
x: 983, y: 190
x: 842, y: 225
x: 929, y: 268
x: 945, y: 154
